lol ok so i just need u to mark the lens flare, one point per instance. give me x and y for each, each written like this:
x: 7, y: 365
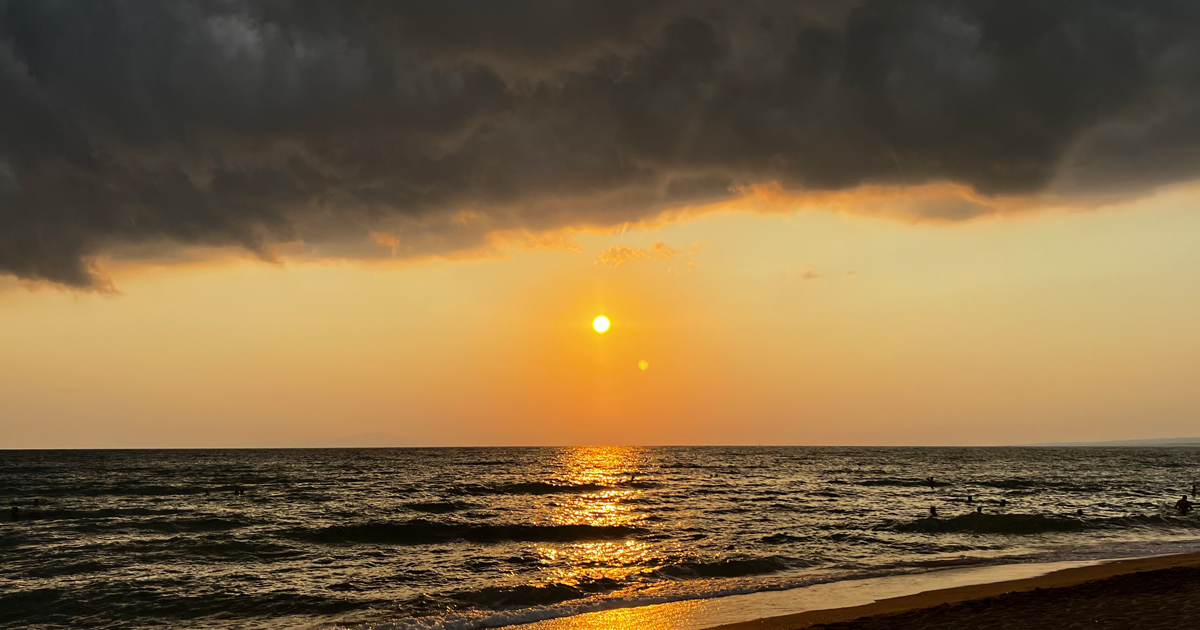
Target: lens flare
x: 600, y: 324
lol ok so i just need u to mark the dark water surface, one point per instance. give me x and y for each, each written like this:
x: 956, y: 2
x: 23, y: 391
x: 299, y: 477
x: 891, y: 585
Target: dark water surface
x: 466, y: 538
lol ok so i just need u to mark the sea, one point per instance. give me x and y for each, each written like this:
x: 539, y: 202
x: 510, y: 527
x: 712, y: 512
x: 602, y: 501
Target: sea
x: 466, y: 538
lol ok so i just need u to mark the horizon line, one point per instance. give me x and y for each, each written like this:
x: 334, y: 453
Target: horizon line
x: 1131, y: 443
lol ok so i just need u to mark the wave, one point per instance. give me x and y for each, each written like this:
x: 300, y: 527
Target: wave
x: 638, y: 484
x: 59, y: 568
x: 726, y: 568
x: 529, y: 595
x: 422, y: 532
x: 534, y: 487
x: 856, y: 538
x: 1171, y: 520
x: 542, y: 488
x: 1033, y: 486
x: 1027, y: 524
x: 781, y: 539
x: 976, y: 523
x: 30, y: 514
x: 949, y: 563
x: 438, y: 507
x: 149, y: 490
x: 190, y: 546
x: 902, y: 483
x: 190, y: 525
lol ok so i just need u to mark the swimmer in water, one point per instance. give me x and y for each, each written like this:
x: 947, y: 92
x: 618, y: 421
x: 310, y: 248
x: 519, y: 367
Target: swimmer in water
x: 969, y: 499
x: 932, y: 511
x: 1183, y: 505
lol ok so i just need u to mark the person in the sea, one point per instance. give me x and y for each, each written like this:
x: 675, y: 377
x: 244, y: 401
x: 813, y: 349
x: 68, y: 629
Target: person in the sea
x: 932, y: 511
x: 1003, y: 502
x: 979, y: 510
x: 1183, y: 505
x: 930, y: 482
x: 970, y: 499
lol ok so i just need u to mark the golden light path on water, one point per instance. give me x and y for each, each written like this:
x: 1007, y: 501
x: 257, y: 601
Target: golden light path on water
x: 613, y: 471
x: 616, y: 470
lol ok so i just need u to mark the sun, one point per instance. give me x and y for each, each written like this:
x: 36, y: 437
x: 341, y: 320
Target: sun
x: 600, y: 324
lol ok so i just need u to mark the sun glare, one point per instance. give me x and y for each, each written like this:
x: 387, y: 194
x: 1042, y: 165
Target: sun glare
x: 600, y: 324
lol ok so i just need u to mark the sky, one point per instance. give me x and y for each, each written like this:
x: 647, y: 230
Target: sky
x: 286, y: 223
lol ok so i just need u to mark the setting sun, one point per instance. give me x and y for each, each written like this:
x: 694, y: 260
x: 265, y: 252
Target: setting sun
x: 600, y: 324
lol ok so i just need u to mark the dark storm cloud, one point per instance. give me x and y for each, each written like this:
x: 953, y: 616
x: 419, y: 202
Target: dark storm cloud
x: 219, y: 122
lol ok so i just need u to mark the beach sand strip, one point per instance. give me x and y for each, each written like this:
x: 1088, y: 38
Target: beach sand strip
x: 1162, y: 591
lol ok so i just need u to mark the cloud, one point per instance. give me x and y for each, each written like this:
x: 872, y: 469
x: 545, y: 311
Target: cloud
x: 441, y: 125
x: 618, y: 255
x: 793, y: 276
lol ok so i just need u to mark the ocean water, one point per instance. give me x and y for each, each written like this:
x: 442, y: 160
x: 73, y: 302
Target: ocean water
x: 471, y: 538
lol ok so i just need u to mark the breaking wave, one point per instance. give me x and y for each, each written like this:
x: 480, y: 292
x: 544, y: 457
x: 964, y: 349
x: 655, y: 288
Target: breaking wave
x: 1028, y: 524
x: 727, y: 568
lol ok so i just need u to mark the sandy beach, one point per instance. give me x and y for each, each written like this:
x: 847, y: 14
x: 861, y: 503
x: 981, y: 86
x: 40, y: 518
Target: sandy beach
x: 1158, y: 592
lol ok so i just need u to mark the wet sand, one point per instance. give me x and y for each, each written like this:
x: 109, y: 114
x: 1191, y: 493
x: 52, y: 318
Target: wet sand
x: 1158, y: 592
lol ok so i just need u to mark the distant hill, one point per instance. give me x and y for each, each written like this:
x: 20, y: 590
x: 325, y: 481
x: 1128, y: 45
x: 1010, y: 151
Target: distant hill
x: 1192, y: 441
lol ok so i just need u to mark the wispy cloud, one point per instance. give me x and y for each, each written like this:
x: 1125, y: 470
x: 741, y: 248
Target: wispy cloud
x: 618, y: 255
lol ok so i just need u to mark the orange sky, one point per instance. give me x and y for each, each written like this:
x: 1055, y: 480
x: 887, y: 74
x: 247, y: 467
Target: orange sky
x: 807, y: 327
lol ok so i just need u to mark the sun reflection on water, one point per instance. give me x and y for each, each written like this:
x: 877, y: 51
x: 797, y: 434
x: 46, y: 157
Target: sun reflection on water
x: 610, y: 475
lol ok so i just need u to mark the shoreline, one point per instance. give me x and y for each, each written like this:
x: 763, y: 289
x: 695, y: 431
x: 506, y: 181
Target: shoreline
x: 926, y: 600
x: 866, y: 598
